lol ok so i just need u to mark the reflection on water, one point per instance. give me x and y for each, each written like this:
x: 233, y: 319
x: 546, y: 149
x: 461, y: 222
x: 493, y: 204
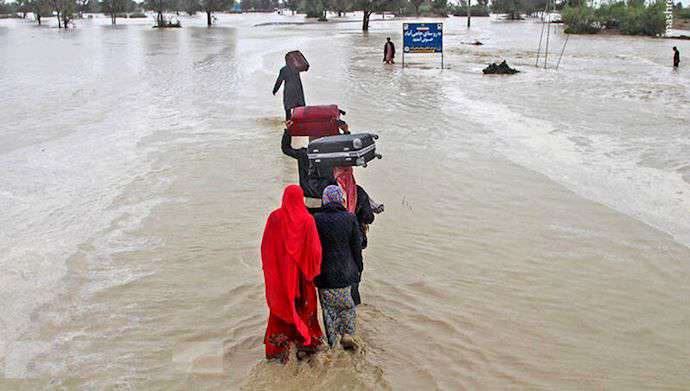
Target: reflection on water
x: 535, y: 235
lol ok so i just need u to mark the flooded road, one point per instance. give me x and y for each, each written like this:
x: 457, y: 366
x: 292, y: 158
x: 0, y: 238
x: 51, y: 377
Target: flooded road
x: 536, y: 232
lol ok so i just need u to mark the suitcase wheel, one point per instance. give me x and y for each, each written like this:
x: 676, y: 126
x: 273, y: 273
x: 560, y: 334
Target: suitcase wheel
x: 378, y: 156
x: 375, y: 136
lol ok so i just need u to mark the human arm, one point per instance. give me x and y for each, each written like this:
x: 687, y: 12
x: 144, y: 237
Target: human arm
x: 356, y: 244
x: 285, y: 145
x: 279, y: 81
x: 365, y: 215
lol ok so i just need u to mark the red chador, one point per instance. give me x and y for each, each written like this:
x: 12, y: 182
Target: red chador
x: 345, y: 178
x: 291, y: 258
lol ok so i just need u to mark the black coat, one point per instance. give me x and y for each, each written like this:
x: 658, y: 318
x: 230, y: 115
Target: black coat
x: 676, y: 58
x: 364, y: 213
x: 293, y: 93
x: 341, y: 247
x: 311, y: 180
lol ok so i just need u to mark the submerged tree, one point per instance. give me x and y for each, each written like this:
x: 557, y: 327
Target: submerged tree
x: 38, y: 8
x: 159, y: 7
x: 368, y: 7
x: 112, y: 8
x: 211, y: 6
x: 64, y: 9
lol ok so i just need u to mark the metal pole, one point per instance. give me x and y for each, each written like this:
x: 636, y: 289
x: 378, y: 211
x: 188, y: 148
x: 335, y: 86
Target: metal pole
x: 548, y: 32
x: 403, y: 46
x: 567, y: 36
x: 469, y: 12
x: 541, y: 36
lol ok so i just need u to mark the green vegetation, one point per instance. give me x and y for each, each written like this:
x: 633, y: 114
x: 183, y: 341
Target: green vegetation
x: 681, y: 13
x: 631, y: 18
x: 580, y: 20
x: 514, y: 9
x: 477, y: 9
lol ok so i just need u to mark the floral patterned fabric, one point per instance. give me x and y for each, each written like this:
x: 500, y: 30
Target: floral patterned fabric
x: 339, y: 313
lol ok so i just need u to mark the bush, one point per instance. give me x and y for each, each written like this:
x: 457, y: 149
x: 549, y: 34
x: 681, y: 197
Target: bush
x: 682, y: 13
x: 641, y: 20
x: 580, y: 20
x: 635, y: 18
x: 477, y: 10
x: 611, y: 14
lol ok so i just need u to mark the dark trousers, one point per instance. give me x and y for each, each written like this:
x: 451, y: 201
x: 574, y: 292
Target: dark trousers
x: 354, y: 290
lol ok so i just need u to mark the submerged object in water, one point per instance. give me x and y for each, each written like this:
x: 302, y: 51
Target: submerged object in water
x: 500, y: 69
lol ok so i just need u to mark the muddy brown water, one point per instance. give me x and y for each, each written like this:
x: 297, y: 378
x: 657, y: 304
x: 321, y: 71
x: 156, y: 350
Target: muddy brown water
x: 535, y: 236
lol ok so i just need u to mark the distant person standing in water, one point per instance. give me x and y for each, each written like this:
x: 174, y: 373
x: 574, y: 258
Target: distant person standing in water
x: 389, y: 52
x: 291, y: 259
x: 341, y: 266
x: 676, y: 57
x: 293, y: 93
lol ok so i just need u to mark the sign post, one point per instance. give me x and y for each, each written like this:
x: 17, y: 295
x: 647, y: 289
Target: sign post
x: 422, y: 38
x: 669, y: 17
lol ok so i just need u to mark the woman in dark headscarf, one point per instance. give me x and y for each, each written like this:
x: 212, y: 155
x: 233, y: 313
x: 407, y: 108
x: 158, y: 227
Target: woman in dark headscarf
x: 293, y: 93
x: 291, y: 258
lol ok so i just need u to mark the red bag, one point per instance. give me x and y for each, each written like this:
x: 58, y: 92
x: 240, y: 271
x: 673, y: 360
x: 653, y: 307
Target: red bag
x: 296, y: 61
x: 315, y: 121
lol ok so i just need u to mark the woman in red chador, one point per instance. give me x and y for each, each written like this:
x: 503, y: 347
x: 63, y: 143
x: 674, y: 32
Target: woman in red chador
x: 291, y: 258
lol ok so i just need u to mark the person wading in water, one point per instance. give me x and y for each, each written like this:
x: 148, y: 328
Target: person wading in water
x: 293, y: 93
x: 291, y: 259
x: 389, y: 52
x: 341, y: 266
x: 676, y: 57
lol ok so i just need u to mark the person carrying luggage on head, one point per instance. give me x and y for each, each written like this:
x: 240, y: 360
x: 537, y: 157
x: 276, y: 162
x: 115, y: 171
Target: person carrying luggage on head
x: 312, y: 180
x: 293, y: 93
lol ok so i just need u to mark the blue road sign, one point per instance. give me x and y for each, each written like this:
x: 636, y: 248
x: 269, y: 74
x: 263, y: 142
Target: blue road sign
x: 422, y: 37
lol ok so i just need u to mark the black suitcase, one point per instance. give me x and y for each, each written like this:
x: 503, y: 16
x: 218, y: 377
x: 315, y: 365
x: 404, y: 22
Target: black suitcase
x: 343, y: 150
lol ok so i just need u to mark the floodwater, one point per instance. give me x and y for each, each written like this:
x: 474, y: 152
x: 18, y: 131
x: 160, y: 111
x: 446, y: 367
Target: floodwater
x: 536, y: 232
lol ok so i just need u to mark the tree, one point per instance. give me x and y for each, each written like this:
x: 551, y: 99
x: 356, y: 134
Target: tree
x: 112, y: 8
x: 312, y: 8
x: 247, y: 5
x: 368, y: 7
x: 64, y: 10
x: 292, y: 5
x: 341, y: 6
x: 191, y: 7
x: 23, y: 7
x: 416, y: 4
x: 211, y: 6
x: 511, y: 7
x: 38, y: 7
x: 439, y: 7
x: 160, y: 6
